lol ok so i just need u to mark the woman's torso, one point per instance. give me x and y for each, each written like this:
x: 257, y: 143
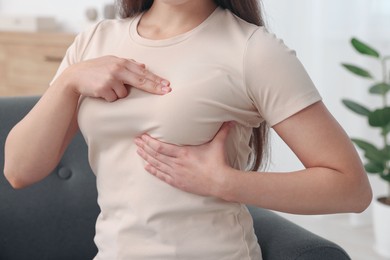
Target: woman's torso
x: 141, y: 216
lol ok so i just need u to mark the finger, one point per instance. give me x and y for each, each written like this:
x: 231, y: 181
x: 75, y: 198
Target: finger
x: 153, y: 83
x: 153, y: 87
x: 159, y: 174
x: 222, y: 134
x: 140, y: 69
x: 143, y: 83
x: 154, y: 78
x: 155, y: 163
x: 109, y: 95
x: 138, y: 63
x: 150, y: 83
x: 154, y: 154
x: 120, y: 90
x: 161, y: 147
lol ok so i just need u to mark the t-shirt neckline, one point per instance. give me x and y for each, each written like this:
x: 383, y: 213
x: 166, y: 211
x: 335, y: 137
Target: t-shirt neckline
x: 133, y: 31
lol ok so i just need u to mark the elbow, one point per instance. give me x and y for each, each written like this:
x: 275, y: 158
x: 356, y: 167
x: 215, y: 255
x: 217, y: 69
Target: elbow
x: 13, y: 180
x: 21, y: 176
x: 364, y: 202
x: 362, y: 197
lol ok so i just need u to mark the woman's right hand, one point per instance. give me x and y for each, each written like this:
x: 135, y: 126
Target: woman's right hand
x: 110, y: 77
x: 49, y: 127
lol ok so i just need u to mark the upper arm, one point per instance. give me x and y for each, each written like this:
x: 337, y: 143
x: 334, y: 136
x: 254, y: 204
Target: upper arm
x: 318, y: 140
x: 74, y: 54
x: 70, y: 133
x: 276, y: 81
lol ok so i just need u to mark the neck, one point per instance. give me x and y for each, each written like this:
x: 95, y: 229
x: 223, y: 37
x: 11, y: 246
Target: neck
x: 164, y: 20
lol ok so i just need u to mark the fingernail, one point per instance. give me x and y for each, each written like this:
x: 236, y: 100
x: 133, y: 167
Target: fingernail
x: 137, y: 141
x: 165, y: 83
x: 166, y: 90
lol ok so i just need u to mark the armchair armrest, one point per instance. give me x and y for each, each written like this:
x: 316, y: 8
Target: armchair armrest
x: 279, y: 238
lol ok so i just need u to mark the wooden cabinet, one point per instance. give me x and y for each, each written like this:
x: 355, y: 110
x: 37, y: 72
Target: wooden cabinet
x: 29, y: 61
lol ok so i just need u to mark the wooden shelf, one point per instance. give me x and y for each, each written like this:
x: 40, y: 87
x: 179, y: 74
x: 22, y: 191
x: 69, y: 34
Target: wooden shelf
x: 29, y: 61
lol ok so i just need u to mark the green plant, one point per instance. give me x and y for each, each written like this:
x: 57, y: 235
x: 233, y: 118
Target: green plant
x: 377, y: 158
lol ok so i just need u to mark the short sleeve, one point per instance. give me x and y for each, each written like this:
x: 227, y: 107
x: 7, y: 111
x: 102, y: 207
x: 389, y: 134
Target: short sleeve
x: 74, y: 53
x: 275, y: 79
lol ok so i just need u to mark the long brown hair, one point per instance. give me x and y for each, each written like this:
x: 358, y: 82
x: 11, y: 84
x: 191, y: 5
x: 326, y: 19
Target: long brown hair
x: 248, y: 10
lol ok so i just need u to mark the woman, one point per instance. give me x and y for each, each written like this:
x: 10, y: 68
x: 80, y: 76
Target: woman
x: 205, y: 66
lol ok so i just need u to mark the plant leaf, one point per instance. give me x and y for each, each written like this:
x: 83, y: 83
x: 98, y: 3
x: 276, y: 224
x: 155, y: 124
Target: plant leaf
x: 380, y: 88
x: 371, y: 152
x: 357, y: 70
x: 363, y: 48
x: 385, y: 177
x: 355, y: 107
x: 372, y: 167
x: 376, y: 156
x: 386, y: 151
x: 386, y: 130
x: 379, y: 117
x: 364, y: 145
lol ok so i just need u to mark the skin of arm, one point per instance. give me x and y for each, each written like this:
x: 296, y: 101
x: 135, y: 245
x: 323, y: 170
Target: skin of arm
x: 35, y: 145
x: 333, y: 180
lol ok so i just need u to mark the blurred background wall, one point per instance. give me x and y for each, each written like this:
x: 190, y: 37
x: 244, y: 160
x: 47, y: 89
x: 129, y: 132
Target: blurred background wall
x: 70, y: 13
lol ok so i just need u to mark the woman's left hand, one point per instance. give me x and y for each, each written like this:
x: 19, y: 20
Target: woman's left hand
x: 201, y: 169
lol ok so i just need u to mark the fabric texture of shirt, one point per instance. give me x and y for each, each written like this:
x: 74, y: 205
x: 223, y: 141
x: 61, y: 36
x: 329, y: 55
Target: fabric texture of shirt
x: 225, y: 69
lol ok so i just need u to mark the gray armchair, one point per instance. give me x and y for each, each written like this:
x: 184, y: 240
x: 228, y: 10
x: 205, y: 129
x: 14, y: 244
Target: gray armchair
x: 55, y: 219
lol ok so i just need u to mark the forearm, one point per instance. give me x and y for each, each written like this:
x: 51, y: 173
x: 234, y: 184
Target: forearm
x: 334, y: 180
x: 34, y: 146
x: 310, y: 191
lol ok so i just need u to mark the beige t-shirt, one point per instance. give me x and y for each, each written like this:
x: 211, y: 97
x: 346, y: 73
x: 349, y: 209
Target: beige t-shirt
x: 223, y: 70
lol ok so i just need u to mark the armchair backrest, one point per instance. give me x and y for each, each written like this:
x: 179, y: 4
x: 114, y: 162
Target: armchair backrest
x: 55, y: 218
